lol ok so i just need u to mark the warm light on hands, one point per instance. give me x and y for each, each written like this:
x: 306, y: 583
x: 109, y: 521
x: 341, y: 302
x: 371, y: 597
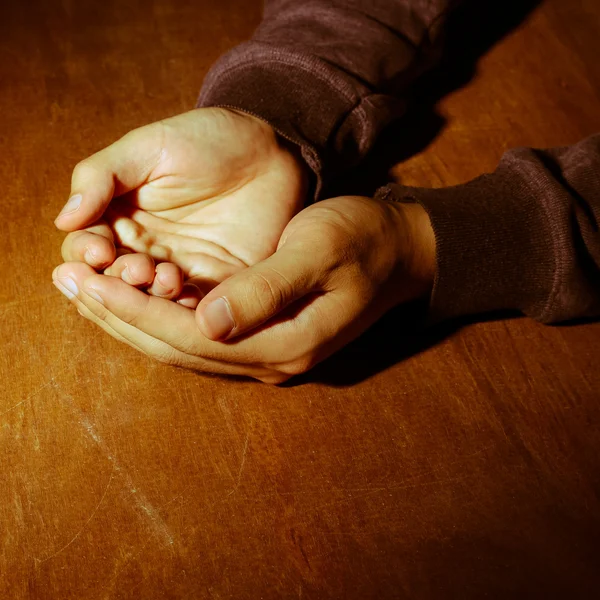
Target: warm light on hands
x: 340, y: 265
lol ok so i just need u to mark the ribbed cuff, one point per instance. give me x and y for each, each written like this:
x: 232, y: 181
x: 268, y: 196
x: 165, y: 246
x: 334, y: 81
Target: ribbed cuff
x: 332, y: 117
x: 493, y: 249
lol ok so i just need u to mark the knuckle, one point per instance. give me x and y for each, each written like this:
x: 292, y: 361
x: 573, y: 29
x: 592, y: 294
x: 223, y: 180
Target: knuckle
x: 164, y: 353
x: 82, y: 169
x: 271, y: 290
x: 335, y: 238
x: 297, y: 366
x: 134, y: 316
x: 100, y: 313
x: 167, y: 356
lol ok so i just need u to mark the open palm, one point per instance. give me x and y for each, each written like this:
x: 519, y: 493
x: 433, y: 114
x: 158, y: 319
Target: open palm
x: 210, y: 190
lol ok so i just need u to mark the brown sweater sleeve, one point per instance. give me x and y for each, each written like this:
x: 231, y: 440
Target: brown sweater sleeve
x: 525, y: 237
x: 329, y: 75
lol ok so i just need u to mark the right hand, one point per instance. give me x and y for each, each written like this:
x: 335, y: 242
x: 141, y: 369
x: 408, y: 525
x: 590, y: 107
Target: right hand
x: 340, y: 265
x: 210, y: 191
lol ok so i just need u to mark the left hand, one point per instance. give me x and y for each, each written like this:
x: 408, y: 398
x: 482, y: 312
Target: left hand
x: 205, y: 194
x: 339, y: 266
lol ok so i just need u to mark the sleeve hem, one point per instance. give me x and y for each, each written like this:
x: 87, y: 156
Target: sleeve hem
x: 333, y: 118
x: 493, y: 248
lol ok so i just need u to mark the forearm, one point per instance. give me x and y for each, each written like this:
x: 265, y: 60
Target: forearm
x: 329, y: 75
x: 525, y: 237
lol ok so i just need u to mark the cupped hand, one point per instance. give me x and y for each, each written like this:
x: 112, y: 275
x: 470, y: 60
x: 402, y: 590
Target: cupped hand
x: 209, y: 191
x: 339, y: 266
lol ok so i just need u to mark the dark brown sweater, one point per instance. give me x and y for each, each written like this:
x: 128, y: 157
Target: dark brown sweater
x: 329, y: 75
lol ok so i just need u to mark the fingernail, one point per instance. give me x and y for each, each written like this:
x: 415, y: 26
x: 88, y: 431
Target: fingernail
x: 89, y: 257
x: 72, y: 205
x: 94, y: 294
x: 69, y: 284
x: 218, y: 319
x: 126, y: 277
x: 62, y: 289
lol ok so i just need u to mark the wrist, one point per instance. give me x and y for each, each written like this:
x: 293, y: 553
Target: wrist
x: 416, y: 252
x: 290, y: 149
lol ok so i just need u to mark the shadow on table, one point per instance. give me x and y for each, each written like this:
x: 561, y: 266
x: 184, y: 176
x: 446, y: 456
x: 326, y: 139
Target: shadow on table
x: 471, y: 31
x: 397, y: 336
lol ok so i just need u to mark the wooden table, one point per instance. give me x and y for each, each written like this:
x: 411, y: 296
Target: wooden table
x: 462, y: 462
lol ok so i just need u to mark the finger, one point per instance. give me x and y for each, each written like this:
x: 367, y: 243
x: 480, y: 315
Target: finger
x: 134, y: 269
x: 157, y: 317
x: 119, y: 168
x: 207, y: 272
x: 94, y: 246
x: 272, y: 354
x: 85, y: 312
x: 68, y: 277
x: 203, y: 262
x: 158, y: 327
x: 168, y: 281
x: 254, y: 295
x: 190, y: 296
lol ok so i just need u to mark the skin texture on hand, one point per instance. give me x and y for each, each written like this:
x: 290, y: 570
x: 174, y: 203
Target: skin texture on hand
x: 339, y: 266
x: 209, y: 191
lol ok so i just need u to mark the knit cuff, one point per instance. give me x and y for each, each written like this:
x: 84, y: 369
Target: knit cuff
x: 493, y: 248
x: 333, y: 118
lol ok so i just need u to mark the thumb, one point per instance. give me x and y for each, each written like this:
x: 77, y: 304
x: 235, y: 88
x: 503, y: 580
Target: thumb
x: 117, y: 169
x: 251, y: 297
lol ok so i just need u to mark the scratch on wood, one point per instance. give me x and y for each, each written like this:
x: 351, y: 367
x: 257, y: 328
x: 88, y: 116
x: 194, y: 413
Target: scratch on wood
x: 410, y: 482
x: 175, y: 498
x: 239, y: 476
x: 50, y: 381
x: 124, y: 565
x: 30, y: 397
x: 74, y: 538
x: 158, y: 526
x: 10, y: 303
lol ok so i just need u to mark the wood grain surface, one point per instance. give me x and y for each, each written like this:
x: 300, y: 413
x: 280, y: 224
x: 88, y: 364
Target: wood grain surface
x: 461, y: 462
